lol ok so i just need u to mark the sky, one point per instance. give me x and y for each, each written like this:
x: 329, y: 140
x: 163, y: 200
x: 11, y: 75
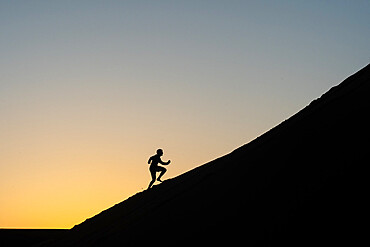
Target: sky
x: 89, y: 90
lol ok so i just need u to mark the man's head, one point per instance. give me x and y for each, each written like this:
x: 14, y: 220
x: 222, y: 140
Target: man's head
x: 160, y: 152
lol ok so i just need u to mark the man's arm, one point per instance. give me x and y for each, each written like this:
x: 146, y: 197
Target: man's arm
x: 150, y: 160
x: 164, y: 163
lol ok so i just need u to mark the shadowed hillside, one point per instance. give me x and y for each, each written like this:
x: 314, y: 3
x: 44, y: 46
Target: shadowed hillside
x: 300, y: 184
x: 28, y: 237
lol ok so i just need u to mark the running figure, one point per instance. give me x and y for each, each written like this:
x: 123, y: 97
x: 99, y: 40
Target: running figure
x: 153, y: 161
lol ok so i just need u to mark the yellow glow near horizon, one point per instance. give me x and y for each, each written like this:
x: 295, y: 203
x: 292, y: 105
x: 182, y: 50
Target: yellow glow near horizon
x: 61, y: 198
x: 57, y: 177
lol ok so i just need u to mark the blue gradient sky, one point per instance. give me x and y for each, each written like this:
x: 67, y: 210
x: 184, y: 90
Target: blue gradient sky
x: 90, y: 89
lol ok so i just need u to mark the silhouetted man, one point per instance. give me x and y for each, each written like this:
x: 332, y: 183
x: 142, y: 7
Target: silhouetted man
x: 153, y: 161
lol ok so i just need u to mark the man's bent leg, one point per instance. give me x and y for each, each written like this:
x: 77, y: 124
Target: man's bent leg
x: 163, y: 171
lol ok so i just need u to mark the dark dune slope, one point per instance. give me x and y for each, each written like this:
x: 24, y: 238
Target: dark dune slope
x: 300, y: 184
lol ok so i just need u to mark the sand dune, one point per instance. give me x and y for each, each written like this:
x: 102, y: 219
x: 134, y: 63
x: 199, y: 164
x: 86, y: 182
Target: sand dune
x: 300, y: 184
